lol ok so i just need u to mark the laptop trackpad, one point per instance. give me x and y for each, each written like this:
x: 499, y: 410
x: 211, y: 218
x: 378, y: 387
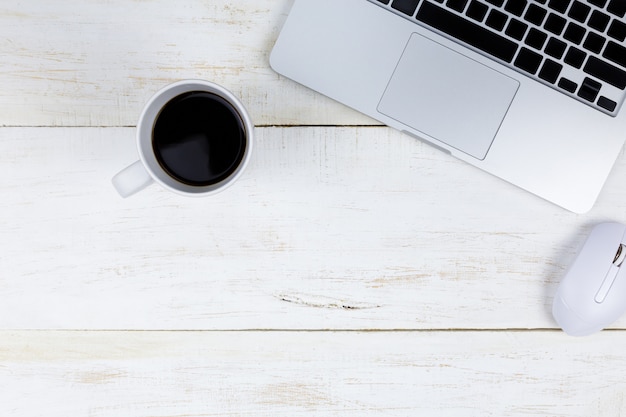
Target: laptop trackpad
x: 448, y: 96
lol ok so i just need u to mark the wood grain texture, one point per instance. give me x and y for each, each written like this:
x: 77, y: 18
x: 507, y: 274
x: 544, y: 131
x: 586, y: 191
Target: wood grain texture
x: 311, y: 374
x: 340, y: 228
x: 89, y: 63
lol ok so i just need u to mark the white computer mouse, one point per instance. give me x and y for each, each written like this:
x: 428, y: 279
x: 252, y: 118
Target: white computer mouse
x: 592, y: 294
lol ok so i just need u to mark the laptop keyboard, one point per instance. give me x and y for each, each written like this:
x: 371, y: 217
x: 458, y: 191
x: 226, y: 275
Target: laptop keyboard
x: 575, y: 47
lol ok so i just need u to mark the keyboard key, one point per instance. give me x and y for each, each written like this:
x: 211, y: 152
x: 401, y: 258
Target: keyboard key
x: 535, y: 15
x: 606, y: 103
x: 516, y: 29
x: 589, y: 89
x: 496, y: 20
x: 405, y: 6
x: 555, y: 48
x: 458, y: 5
x: 497, y: 3
x: 555, y: 24
x: 536, y: 39
x: 615, y: 53
x: 466, y: 31
x: 516, y: 6
x: 575, y: 57
x: 477, y: 10
x: 568, y: 85
x: 599, y: 3
x: 550, y: 71
x: 383, y: 1
x: 617, y: 30
x: 605, y: 72
x: 559, y: 5
x: 617, y: 7
x: 598, y: 21
x: 579, y: 11
x: 528, y: 60
x: 574, y: 33
x: 594, y: 42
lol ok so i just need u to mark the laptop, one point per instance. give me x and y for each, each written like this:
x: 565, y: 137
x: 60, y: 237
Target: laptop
x: 530, y: 91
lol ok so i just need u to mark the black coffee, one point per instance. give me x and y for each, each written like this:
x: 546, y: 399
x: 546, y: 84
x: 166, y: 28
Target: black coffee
x: 199, y: 138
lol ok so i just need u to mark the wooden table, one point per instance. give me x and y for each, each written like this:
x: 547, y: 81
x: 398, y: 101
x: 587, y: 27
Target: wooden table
x: 352, y: 271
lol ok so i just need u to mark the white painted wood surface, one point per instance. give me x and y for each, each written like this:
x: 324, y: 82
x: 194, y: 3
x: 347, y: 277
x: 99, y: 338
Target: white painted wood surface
x: 351, y: 271
x: 305, y: 373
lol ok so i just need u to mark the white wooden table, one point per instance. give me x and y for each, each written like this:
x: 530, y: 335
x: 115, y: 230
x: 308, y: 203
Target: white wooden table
x: 352, y: 271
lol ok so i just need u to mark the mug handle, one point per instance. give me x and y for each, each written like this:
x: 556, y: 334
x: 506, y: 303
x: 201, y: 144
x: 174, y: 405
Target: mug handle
x: 131, y: 179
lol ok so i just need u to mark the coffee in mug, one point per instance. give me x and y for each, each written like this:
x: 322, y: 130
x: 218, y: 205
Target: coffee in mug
x: 194, y: 137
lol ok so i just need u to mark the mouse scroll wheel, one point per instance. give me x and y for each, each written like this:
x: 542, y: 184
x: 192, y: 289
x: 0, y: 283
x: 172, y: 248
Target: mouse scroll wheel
x: 620, y: 255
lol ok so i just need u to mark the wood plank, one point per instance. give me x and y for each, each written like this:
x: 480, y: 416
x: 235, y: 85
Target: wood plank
x: 110, y: 374
x: 88, y: 63
x: 330, y: 228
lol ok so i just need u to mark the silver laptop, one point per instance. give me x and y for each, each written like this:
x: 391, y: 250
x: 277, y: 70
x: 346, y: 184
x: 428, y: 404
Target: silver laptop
x: 530, y: 91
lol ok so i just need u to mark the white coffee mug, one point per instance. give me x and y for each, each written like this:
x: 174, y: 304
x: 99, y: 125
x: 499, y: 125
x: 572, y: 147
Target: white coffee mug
x: 194, y: 137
